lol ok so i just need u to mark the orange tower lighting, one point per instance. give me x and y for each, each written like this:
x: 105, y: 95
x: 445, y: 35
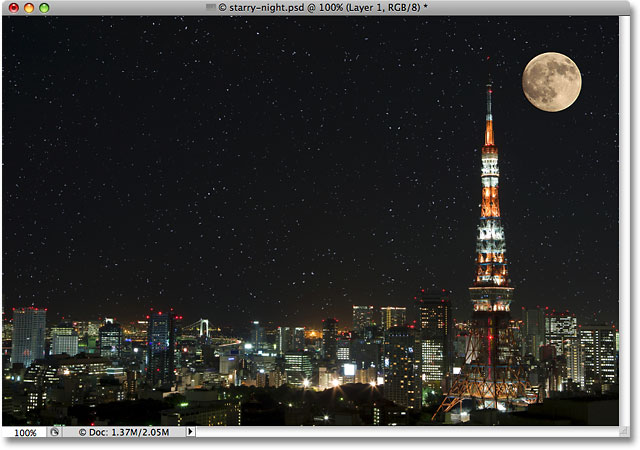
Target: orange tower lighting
x: 492, y: 374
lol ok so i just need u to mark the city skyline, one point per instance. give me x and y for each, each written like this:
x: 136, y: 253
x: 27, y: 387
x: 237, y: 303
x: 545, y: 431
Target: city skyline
x: 337, y: 193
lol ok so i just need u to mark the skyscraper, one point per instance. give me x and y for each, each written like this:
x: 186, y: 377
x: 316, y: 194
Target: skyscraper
x: 559, y: 328
x: 343, y: 348
x: 600, y: 356
x: 289, y: 339
x: 363, y: 317
x: 298, y: 367
x: 330, y: 339
x: 575, y: 361
x: 284, y: 340
x: 402, y: 378
x: 298, y: 339
x: 393, y: 316
x: 29, y: 331
x: 161, y: 344
x: 110, y: 340
x: 533, y: 332
x: 64, y: 339
x: 258, y: 336
x: 436, y: 334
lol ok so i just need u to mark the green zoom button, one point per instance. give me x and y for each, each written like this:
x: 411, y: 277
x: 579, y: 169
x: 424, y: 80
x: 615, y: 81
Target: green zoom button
x: 44, y: 7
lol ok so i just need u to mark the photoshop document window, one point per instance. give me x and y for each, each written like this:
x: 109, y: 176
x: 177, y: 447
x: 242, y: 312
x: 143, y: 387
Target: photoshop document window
x: 304, y: 218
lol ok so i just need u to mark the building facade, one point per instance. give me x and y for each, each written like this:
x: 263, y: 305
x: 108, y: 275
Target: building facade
x: 28, y: 337
x: 393, y: 316
x: 533, y: 331
x: 402, y: 367
x: 559, y: 329
x: 436, y: 334
x: 600, y: 356
x: 110, y: 340
x: 330, y: 339
x: 298, y: 368
x: 64, y: 339
x: 161, y: 346
x: 363, y: 317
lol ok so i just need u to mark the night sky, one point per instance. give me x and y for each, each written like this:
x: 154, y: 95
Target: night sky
x: 282, y: 169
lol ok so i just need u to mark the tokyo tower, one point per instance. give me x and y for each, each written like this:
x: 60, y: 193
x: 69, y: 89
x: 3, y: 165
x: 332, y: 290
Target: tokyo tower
x: 491, y: 374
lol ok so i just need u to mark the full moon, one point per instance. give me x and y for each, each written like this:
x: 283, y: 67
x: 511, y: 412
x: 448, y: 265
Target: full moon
x: 551, y: 82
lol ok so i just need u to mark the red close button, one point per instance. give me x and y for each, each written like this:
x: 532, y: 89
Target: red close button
x: 14, y: 8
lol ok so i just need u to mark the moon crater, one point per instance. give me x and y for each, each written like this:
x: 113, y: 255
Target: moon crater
x: 551, y: 82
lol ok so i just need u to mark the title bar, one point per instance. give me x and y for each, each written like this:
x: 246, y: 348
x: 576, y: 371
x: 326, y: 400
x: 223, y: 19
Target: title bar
x: 313, y: 8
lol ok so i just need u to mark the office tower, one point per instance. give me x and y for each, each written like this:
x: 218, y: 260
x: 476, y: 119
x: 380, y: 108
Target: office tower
x: 298, y: 339
x: 575, y: 361
x: 258, y: 336
x: 392, y: 316
x: 29, y: 330
x: 533, y: 330
x: 298, y: 368
x: 161, y: 346
x: 600, y: 356
x: 289, y: 339
x: 492, y: 374
x: 343, y: 349
x: 363, y: 318
x: 284, y: 340
x: 402, y: 378
x: 559, y: 328
x: 435, y: 322
x: 330, y: 338
x: 110, y: 340
x: 64, y: 339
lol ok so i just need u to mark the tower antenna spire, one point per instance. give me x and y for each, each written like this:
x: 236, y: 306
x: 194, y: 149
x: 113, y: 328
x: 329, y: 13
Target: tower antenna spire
x: 488, y: 135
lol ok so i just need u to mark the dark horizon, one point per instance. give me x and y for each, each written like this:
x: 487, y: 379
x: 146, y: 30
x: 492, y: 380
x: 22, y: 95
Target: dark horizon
x: 251, y: 171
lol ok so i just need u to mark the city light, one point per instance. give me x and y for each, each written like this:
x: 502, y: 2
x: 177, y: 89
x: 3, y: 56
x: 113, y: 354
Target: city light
x: 220, y: 233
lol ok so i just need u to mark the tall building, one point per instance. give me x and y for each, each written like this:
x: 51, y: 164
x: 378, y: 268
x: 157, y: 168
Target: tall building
x: 600, y: 356
x: 110, y: 340
x: 559, y: 329
x: 343, y: 348
x: 330, y: 339
x: 402, y: 373
x: 284, y: 340
x: 28, y: 338
x: 363, y: 317
x: 298, y: 339
x: 258, y: 336
x: 298, y: 367
x: 161, y: 347
x: 533, y: 331
x: 575, y: 361
x: 289, y: 339
x: 64, y: 339
x: 393, y: 316
x: 492, y: 374
x: 436, y: 334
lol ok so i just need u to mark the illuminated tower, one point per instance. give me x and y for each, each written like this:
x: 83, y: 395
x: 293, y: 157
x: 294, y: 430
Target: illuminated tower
x: 491, y: 375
